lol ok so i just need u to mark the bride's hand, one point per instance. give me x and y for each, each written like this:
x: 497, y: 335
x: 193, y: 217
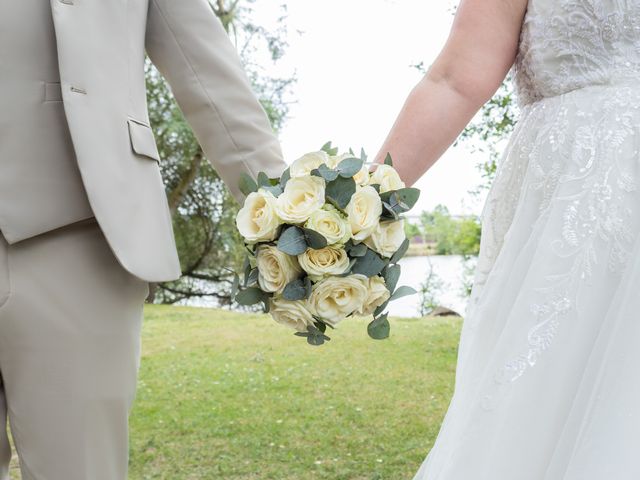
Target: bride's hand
x: 473, y: 63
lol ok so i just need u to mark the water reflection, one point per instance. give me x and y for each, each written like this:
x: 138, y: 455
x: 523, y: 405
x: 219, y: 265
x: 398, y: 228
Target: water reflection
x: 449, y: 269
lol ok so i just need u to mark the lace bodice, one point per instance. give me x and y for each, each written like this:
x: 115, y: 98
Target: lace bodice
x: 570, y: 44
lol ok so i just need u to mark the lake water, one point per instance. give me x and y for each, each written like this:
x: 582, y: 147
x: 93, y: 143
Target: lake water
x: 449, y: 270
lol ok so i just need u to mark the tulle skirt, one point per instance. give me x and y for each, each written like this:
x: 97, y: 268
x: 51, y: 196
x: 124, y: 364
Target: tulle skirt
x: 548, y: 377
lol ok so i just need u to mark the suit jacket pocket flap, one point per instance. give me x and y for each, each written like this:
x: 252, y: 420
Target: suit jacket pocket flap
x: 142, y: 140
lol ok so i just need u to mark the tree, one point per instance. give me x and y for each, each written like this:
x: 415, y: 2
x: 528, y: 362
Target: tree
x: 202, y: 209
x: 490, y: 129
x: 453, y: 235
x: 430, y: 290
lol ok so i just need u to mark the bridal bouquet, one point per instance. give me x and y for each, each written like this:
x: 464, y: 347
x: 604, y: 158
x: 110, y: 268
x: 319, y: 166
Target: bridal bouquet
x: 324, y: 241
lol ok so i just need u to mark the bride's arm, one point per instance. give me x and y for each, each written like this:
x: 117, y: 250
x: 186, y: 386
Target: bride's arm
x: 473, y: 63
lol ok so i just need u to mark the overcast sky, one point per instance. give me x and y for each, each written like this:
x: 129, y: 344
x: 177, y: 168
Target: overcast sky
x: 353, y: 60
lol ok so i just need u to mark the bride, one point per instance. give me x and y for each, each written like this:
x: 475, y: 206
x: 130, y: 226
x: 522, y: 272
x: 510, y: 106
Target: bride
x: 548, y: 382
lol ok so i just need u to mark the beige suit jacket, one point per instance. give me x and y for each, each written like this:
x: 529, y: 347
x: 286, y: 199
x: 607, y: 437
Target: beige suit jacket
x: 101, y: 51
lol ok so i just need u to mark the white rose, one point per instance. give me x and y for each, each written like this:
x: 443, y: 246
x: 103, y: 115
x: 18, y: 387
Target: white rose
x: 275, y: 268
x: 362, y: 177
x: 302, y: 197
x: 387, y: 177
x: 386, y: 238
x: 335, y: 298
x: 303, y: 166
x: 378, y: 294
x: 324, y: 261
x: 293, y: 314
x: 331, y: 224
x: 364, y: 212
x: 257, y: 220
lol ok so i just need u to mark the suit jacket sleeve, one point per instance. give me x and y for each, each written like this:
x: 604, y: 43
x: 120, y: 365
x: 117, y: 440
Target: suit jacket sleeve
x: 189, y: 46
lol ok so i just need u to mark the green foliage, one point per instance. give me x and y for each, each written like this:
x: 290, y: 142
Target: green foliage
x: 411, y: 230
x: 468, y: 271
x: 295, y: 240
x: 430, y: 290
x: 391, y: 275
x: 314, y: 335
x: 397, y: 202
x: 379, y: 328
x: 329, y: 149
x: 292, y: 241
x: 247, y: 184
x: 250, y: 296
x: 348, y: 167
x: 490, y: 129
x: 369, y: 265
x: 453, y: 235
x: 299, y: 289
x: 340, y: 191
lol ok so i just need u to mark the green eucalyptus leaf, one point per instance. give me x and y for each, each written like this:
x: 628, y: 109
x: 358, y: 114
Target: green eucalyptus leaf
x: 400, y: 252
x: 329, y: 149
x: 402, y: 292
x: 292, y: 241
x: 250, y: 296
x: 314, y: 336
x: 252, y: 278
x: 402, y: 200
x: 369, y: 264
x: 379, y: 328
x: 286, y: 176
x: 263, y: 180
x: 235, y: 286
x: 381, y: 308
x: 275, y: 190
x: 358, y: 250
x: 340, y: 191
x: 325, y: 172
x: 387, y: 160
x: 308, y: 286
x: 314, y: 239
x: 391, y: 275
x: 321, y: 326
x: 388, y: 212
x: 247, y: 184
x: 297, y: 290
x: 246, y: 268
x: 349, y: 167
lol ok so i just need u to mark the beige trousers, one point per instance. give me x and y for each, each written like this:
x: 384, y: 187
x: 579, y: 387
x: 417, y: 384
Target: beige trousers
x: 70, y: 320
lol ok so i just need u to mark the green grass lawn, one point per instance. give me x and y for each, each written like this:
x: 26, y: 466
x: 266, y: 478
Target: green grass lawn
x: 235, y: 396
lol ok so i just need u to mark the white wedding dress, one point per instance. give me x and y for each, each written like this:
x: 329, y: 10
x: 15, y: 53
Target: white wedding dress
x: 548, y: 378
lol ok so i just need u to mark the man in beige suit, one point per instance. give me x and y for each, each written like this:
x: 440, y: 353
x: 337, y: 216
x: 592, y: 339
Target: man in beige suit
x: 84, y: 222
